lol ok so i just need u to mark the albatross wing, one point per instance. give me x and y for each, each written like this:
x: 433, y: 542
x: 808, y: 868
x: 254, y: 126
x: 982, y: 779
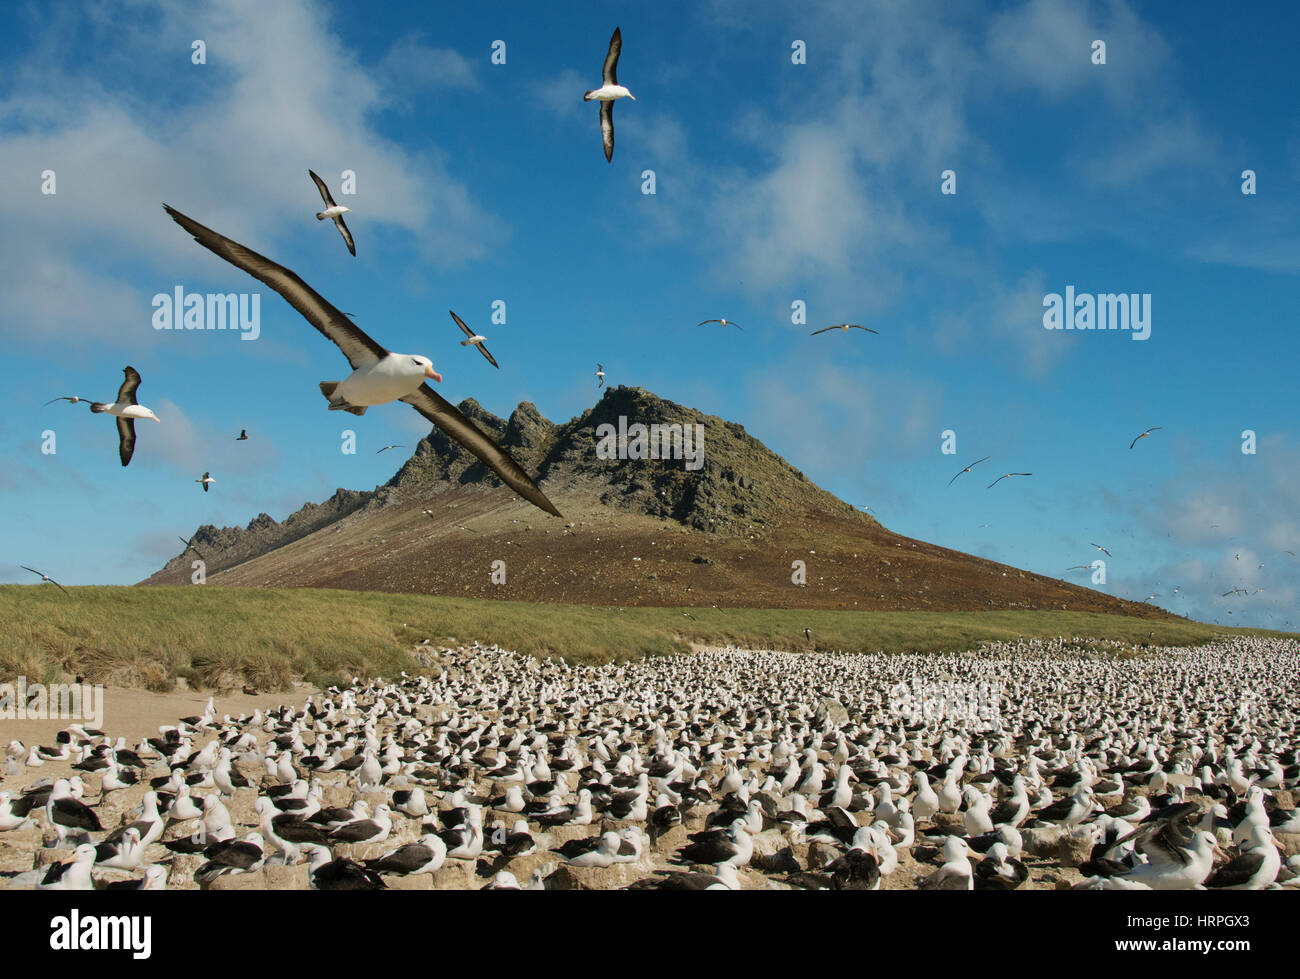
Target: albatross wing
x: 324, y: 191
x: 126, y: 434
x: 607, y: 129
x: 357, y: 346
x: 347, y: 235
x: 126, y: 393
x: 470, y: 333
x: 444, y: 414
x: 610, y: 71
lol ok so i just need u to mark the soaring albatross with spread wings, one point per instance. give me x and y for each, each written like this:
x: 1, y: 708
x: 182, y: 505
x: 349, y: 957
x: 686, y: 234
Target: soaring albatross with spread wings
x: 379, y: 375
x: 125, y: 409
x: 608, y: 92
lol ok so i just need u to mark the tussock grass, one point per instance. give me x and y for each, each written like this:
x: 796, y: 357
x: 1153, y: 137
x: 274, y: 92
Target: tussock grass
x: 225, y: 637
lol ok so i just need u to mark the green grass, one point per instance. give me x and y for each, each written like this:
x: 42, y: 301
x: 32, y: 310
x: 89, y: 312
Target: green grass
x: 225, y: 637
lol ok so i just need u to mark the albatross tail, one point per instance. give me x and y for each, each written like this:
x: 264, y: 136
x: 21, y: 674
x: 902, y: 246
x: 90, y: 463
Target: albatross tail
x: 327, y: 388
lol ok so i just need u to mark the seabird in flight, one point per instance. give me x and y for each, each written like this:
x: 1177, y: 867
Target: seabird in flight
x: 387, y: 447
x: 44, y: 578
x: 845, y: 327
x: 189, y: 546
x: 125, y: 409
x: 1005, y: 476
x: 1145, y: 434
x: 1100, y: 548
x: 242, y: 436
x: 724, y: 322
x: 335, y: 211
x: 207, y: 478
x: 476, y: 339
x: 71, y: 399
x: 379, y: 376
x: 969, y: 468
x: 608, y: 92
x: 600, y: 375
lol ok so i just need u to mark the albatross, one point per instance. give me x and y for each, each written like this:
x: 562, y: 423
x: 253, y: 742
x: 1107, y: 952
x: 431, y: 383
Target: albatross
x: 334, y: 211
x: 379, y: 375
x: 475, y: 339
x: 44, y: 578
x: 1144, y: 435
x: 722, y: 322
x: 969, y: 468
x: 608, y: 92
x: 125, y: 409
x: 207, y: 478
x: 845, y: 327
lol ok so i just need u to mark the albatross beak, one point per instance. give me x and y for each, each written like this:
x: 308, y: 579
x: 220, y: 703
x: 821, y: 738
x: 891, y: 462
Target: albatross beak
x: 430, y: 372
x: 157, y: 419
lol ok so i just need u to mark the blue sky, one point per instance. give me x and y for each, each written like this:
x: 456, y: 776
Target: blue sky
x: 775, y: 182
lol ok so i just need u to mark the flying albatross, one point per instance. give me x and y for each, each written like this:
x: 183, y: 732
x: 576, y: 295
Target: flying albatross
x: 722, y: 322
x: 968, y: 468
x: 1005, y: 476
x: 1144, y: 435
x: 379, y: 375
x: 335, y: 211
x: 44, y: 578
x: 475, y: 339
x: 845, y: 327
x: 125, y: 409
x: 608, y: 92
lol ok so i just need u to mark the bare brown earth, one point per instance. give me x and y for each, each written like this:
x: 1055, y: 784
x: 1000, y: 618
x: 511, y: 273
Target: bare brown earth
x: 634, y: 532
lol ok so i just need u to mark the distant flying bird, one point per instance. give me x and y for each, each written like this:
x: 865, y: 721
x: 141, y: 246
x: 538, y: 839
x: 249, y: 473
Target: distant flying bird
x: 1079, y: 567
x: 69, y: 398
x: 724, y: 322
x: 335, y: 211
x: 969, y: 468
x: 845, y: 327
x: 125, y: 409
x: 608, y: 92
x: 44, y: 578
x: 207, y: 478
x: 476, y: 339
x: 242, y: 436
x: 379, y: 376
x: 1100, y: 548
x: 387, y: 447
x: 1145, y: 434
x: 600, y: 375
x: 189, y: 546
x: 1005, y: 476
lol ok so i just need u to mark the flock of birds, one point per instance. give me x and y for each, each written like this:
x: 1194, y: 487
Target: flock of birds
x: 1042, y: 764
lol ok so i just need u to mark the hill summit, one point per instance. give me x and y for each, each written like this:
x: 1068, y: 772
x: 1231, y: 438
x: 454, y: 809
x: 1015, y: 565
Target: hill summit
x: 662, y: 504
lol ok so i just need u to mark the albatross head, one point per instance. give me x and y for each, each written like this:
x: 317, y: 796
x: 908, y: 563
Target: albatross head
x: 424, y: 365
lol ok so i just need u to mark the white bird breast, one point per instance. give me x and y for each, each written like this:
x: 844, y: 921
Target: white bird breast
x: 393, y: 377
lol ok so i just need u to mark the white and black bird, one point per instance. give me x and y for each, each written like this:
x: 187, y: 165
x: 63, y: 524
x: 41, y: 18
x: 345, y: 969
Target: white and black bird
x: 1100, y: 548
x: 474, y: 339
x: 600, y: 375
x: 969, y: 468
x: 1005, y: 476
x: 388, y: 447
x: 44, y: 578
x: 379, y: 375
x: 608, y: 92
x: 206, y: 479
x: 334, y: 212
x: 1146, y: 434
x: 844, y: 328
x: 721, y: 322
x: 125, y: 409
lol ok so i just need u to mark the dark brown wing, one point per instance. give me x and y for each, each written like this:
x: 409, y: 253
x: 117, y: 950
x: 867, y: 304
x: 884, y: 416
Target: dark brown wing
x: 347, y: 235
x: 461, y: 323
x: 610, y: 72
x: 324, y: 191
x: 357, y: 346
x: 126, y: 393
x: 607, y: 129
x: 444, y: 414
x: 125, y: 438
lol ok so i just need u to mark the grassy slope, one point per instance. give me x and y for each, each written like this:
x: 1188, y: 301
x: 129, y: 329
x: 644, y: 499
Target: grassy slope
x: 229, y: 636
